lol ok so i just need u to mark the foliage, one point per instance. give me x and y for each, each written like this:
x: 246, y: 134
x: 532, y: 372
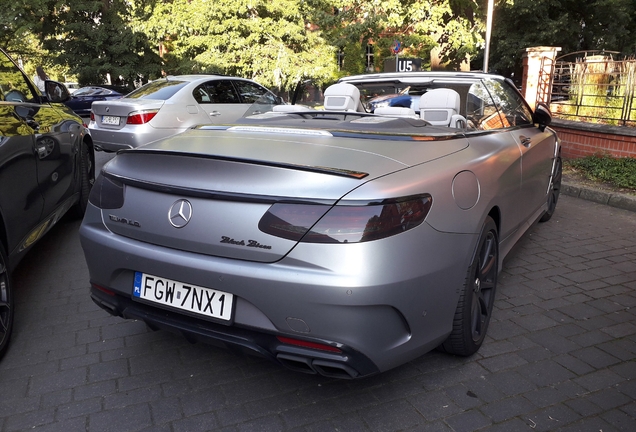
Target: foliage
x: 269, y: 41
x: 598, y: 90
x: 619, y: 171
x: 573, y: 25
x: 419, y: 25
x: 278, y: 41
x: 93, y: 39
x: 17, y: 37
x: 16, y: 25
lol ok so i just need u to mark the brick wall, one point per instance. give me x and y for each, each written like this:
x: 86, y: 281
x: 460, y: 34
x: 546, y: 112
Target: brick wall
x: 580, y: 139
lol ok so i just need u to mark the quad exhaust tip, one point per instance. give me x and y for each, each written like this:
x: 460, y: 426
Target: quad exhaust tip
x: 316, y: 366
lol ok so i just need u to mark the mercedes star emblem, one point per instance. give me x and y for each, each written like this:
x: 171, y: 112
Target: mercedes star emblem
x: 180, y: 213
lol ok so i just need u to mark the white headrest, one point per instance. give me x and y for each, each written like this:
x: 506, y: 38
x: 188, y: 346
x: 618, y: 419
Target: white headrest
x: 395, y: 112
x: 342, y: 97
x: 437, y: 106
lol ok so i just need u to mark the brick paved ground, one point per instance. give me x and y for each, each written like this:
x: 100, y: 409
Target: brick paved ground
x: 560, y: 354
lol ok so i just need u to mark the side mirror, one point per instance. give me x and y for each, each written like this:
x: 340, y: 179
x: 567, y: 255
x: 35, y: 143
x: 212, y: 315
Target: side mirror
x: 56, y: 92
x: 542, y: 115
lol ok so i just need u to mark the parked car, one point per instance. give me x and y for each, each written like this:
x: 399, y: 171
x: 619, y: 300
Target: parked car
x: 331, y: 241
x: 171, y: 105
x: 82, y: 99
x: 72, y: 87
x: 46, y: 169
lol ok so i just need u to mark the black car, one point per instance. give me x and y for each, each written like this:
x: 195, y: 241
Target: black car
x: 46, y: 169
x: 80, y: 100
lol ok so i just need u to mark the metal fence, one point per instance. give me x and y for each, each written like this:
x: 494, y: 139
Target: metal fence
x: 592, y: 87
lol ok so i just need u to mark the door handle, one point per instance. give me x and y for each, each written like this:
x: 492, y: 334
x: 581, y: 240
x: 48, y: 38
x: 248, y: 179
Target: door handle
x: 214, y: 113
x: 33, y: 124
x: 525, y: 141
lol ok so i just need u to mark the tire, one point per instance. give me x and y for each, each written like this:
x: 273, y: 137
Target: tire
x: 87, y: 178
x: 555, y: 190
x: 477, y: 298
x: 6, y: 303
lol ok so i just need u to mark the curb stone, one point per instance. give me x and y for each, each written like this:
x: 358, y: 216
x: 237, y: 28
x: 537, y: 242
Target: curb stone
x: 613, y: 199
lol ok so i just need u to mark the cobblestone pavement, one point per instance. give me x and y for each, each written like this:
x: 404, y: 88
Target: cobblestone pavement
x: 561, y: 354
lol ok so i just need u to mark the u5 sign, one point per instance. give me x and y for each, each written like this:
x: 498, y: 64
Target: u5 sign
x: 402, y: 64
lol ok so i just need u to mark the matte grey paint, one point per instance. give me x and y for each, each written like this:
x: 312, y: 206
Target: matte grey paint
x: 391, y: 299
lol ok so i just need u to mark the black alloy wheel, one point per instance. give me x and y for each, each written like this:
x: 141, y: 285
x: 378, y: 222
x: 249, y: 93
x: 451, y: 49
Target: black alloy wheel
x: 6, y: 304
x: 555, y: 189
x: 477, y: 298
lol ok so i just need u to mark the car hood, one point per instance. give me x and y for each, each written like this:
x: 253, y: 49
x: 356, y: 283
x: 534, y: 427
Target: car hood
x: 232, y: 177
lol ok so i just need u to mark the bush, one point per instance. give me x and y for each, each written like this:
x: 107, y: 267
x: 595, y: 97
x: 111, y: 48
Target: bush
x: 620, y: 172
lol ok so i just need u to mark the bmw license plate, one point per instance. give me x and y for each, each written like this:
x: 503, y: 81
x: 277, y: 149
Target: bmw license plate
x: 191, y: 298
x: 110, y: 120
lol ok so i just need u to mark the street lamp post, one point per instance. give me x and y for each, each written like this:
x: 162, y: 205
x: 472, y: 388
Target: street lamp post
x: 488, y: 32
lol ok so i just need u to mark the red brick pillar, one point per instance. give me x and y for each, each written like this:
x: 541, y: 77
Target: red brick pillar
x: 532, y: 62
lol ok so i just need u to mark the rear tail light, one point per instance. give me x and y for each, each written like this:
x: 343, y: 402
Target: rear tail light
x: 345, y: 223
x: 141, y: 117
x: 307, y: 344
x: 291, y: 221
x: 92, y: 116
x: 107, y: 193
x: 104, y: 290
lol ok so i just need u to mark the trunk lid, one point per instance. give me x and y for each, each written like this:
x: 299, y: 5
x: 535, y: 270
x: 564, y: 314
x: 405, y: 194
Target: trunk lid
x: 124, y: 106
x: 223, y: 182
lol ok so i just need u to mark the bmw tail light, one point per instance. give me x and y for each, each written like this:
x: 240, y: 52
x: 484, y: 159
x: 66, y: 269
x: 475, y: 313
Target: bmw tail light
x: 92, y: 116
x: 107, y: 193
x: 347, y: 223
x: 141, y: 117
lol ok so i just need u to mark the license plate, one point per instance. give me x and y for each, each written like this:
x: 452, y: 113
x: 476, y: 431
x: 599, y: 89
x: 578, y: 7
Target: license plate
x: 187, y: 297
x: 110, y: 120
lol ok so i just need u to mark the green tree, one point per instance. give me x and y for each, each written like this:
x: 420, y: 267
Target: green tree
x: 269, y: 41
x: 93, y: 38
x: 573, y: 25
x: 420, y: 25
x: 17, y: 22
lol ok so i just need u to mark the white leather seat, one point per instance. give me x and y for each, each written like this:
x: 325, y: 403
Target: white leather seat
x: 440, y: 107
x: 342, y: 97
x: 395, y: 112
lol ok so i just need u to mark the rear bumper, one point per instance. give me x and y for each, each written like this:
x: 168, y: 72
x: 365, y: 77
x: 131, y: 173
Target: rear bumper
x: 348, y: 364
x: 383, y: 312
x: 130, y: 136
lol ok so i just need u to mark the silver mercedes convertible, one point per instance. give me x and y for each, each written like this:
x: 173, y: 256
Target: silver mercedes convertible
x: 332, y: 241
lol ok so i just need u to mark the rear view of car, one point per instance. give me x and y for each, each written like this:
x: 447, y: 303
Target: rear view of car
x: 82, y: 98
x: 171, y: 105
x: 335, y: 241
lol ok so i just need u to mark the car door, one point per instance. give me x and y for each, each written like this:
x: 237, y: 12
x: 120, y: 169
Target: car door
x: 220, y: 100
x: 55, y: 137
x: 259, y: 98
x: 487, y: 132
x: 21, y: 201
x: 537, y: 147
